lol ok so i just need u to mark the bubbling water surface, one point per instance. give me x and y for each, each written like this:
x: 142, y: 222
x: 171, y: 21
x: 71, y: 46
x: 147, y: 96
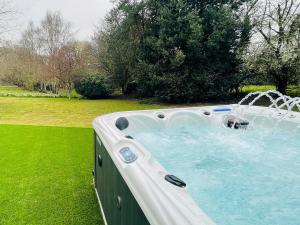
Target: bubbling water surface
x: 237, y: 177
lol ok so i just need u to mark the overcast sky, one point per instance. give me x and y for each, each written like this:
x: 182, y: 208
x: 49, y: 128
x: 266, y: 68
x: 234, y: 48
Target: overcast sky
x: 83, y: 14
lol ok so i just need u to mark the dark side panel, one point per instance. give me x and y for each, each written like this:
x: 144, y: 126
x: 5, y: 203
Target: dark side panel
x: 118, y: 203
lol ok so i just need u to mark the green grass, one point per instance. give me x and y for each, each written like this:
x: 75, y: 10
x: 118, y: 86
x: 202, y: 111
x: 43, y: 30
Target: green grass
x: 253, y: 88
x: 45, y: 172
x: 46, y: 176
x: 62, y: 111
x: 13, y: 91
x: 292, y: 89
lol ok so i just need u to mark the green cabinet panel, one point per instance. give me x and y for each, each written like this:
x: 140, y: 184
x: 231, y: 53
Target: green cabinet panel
x: 118, y: 203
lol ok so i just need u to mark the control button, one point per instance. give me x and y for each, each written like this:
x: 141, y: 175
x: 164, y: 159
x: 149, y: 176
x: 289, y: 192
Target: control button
x: 206, y: 113
x: 161, y: 116
x: 127, y: 155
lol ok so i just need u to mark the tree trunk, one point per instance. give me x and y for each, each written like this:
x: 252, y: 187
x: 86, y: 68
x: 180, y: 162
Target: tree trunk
x: 69, y: 91
x: 281, y: 85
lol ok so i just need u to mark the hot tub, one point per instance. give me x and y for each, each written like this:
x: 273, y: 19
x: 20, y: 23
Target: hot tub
x: 225, y: 165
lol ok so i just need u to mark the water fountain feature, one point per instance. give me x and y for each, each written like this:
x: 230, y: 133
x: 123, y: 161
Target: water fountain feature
x: 288, y: 101
x: 282, y: 106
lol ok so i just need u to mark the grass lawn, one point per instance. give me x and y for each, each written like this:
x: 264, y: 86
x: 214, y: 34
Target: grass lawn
x: 292, y: 89
x: 46, y: 176
x: 19, y: 92
x: 254, y: 88
x: 14, y: 90
x: 61, y: 111
x: 46, y: 172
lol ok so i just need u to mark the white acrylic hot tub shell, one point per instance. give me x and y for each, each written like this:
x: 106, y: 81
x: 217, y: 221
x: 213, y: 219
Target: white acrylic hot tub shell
x: 161, y: 202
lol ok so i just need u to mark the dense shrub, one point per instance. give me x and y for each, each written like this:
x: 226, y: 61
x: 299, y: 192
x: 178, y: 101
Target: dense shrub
x: 93, y: 87
x: 191, y: 51
x: 131, y: 88
x: 176, y: 51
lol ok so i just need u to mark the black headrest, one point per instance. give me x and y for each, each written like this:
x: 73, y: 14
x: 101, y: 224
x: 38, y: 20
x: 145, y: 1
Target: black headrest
x: 122, y: 123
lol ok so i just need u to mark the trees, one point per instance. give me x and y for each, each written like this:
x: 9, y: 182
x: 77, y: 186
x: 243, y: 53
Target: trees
x: 47, y: 57
x: 6, y: 17
x: 18, y: 67
x: 51, y: 43
x: 170, y: 51
x: 176, y: 50
x: 191, y: 49
x: 67, y: 63
x: 278, y: 24
x: 117, y: 43
x: 10, y: 66
x: 32, y: 58
x: 93, y: 87
x: 71, y: 62
x: 54, y: 33
x: 6, y: 53
x: 31, y: 40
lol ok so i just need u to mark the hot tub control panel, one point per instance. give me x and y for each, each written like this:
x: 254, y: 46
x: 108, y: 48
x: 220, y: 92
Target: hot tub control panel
x: 127, y: 155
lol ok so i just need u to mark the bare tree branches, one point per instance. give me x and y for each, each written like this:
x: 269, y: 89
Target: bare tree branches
x: 277, y: 23
x: 68, y: 63
x: 30, y: 39
x: 7, y: 14
x: 273, y: 22
x: 49, y: 42
x: 54, y: 33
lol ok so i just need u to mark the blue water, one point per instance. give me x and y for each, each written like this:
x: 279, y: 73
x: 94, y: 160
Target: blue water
x: 236, y: 177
